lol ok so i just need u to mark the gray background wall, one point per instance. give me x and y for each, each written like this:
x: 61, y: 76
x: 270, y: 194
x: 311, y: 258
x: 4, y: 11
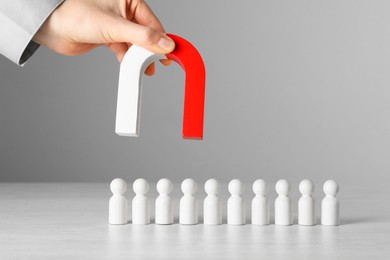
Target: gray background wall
x: 295, y: 89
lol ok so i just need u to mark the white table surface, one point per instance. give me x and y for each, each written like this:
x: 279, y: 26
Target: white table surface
x: 69, y: 221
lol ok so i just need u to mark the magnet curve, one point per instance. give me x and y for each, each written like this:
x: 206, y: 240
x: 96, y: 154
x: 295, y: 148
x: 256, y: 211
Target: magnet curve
x: 128, y: 108
x: 132, y: 67
x: 188, y: 57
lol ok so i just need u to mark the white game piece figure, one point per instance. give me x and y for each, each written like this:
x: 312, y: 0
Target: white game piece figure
x: 212, y: 208
x: 330, y: 209
x: 260, y: 205
x: 117, y: 208
x: 283, y: 207
x: 306, y: 204
x: 140, y: 204
x: 236, y: 204
x: 164, y: 207
x: 188, y: 203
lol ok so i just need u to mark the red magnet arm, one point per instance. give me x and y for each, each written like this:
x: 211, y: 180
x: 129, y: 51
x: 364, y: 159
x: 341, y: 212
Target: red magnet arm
x: 190, y: 60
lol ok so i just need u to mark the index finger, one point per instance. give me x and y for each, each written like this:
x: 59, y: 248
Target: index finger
x: 145, y: 16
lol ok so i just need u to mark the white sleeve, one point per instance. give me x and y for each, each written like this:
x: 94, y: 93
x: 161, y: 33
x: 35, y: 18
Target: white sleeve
x: 19, y: 21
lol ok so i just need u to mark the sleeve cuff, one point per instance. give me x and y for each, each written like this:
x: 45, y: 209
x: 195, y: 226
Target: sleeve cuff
x: 19, y: 22
x: 28, y: 52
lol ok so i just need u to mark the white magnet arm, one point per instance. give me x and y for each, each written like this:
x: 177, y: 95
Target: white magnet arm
x: 133, y: 65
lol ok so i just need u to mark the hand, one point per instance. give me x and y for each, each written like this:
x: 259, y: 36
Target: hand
x: 78, y: 26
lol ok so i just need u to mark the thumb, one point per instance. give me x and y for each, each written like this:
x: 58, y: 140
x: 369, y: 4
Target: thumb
x: 146, y: 37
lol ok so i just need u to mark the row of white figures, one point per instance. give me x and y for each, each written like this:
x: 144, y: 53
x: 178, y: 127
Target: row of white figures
x: 212, y: 205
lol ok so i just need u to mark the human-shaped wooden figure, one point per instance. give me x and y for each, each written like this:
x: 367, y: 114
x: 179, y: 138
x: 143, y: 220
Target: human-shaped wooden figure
x: 117, y: 208
x: 330, y: 208
x: 164, y: 207
x: 236, y: 204
x: 283, y: 207
x: 212, y: 208
x: 188, y: 203
x: 306, y: 204
x: 140, y: 204
x: 260, y: 205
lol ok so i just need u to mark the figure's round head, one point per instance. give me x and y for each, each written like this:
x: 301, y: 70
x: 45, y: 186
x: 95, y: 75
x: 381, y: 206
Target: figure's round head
x: 118, y: 186
x: 331, y: 188
x: 141, y: 186
x: 212, y: 187
x: 282, y: 187
x: 306, y: 187
x: 236, y: 187
x: 259, y: 187
x: 164, y: 186
x: 189, y: 186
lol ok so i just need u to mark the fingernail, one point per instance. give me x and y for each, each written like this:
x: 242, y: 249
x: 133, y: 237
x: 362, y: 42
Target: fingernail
x: 166, y: 43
